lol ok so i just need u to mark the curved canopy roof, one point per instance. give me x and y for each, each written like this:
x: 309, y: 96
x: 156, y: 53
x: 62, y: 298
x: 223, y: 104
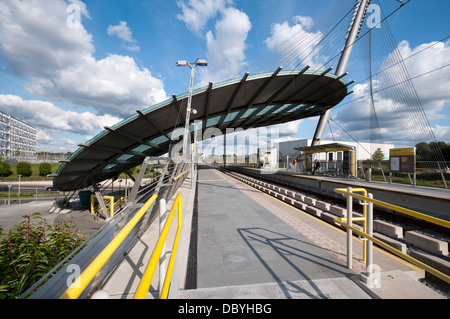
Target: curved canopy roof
x: 247, y: 102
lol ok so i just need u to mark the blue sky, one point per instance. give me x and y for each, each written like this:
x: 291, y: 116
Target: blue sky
x: 69, y: 78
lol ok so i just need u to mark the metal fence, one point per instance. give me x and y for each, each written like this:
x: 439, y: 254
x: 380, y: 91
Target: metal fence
x: 55, y: 283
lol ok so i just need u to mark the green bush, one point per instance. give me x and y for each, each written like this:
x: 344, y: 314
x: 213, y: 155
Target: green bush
x: 5, y: 168
x: 31, y: 250
x: 45, y: 169
x: 24, y: 169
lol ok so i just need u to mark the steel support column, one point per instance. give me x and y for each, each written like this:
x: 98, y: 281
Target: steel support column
x: 342, y: 65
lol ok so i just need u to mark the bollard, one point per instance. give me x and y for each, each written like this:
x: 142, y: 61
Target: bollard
x: 162, y: 260
x: 369, y: 260
x: 349, y: 231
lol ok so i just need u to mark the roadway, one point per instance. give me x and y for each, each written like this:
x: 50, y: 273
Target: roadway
x: 26, y: 186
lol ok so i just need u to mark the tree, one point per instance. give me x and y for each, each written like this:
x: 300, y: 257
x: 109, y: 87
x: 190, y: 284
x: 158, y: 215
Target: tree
x: 5, y: 168
x: 45, y: 169
x: 432, y: 151
x: 24, y: 169
x: 423, y: 152
x: 378, y: 155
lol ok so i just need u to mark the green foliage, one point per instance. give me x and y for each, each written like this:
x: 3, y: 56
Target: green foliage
x: 24, y: 169
x: 45, y: 169
x: 429, y: 152
x: 378, y: 155
x: 5, y: 168
x: 31, y: 250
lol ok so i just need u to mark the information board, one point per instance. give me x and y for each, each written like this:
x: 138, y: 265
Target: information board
x: 402, y: 160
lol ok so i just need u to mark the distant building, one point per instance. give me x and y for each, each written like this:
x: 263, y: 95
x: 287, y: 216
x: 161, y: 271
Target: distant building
x: 364, y: 151
x: 17, y: 139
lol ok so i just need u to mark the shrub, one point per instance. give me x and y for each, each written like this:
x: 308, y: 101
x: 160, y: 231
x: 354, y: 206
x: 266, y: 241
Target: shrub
x: 5, y: 169
x: 24, y: 169
x: 31, y: 250
x: 45, y: 169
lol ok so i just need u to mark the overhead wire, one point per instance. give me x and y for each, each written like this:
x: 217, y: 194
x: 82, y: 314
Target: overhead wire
x: 403, y: 101
x: 298, y: 45
x: 387, y: 68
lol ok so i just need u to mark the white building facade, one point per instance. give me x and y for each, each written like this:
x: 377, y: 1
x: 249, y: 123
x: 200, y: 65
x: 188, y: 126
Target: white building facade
x: 17, y: 138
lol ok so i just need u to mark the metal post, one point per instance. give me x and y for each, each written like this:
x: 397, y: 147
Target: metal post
x: 224, y: 150
x: 162, y: 260
x: 188, y: 114
x: 369, y: 221
x: 349, y: 231
x: 9, y: 193
x: 100, y: 198
x: 192, y: 167
x: 137, y: 183
x: 342, y: 65
x: 19, y: 188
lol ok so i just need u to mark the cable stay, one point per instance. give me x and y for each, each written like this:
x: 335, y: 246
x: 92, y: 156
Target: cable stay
x: 392, y: 99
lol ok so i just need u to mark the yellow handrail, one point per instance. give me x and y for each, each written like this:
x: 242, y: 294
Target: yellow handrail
x: 77, y: 287
x: 396, y: 252
x: 406, y: 211
x: 178, y: 177
x: 399, y: 209
x: 146, y: 280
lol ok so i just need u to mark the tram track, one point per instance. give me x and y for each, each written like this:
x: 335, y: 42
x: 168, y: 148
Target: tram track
x: 285, y: 191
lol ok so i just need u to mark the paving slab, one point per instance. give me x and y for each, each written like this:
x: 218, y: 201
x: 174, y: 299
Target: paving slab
x: 251, y: 245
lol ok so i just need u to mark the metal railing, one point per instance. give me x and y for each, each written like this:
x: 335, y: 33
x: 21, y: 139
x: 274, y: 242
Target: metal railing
x: 56, y: 281
x: 181, y: 175
x: 77, y: 287
x: 367, y: 232
x: 144, y: 284
x: 110, y: 200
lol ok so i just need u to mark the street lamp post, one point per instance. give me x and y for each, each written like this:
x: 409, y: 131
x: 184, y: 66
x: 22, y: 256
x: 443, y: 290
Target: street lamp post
x: 198, y: 62
x: 9, y: 193
x: 19, y: 187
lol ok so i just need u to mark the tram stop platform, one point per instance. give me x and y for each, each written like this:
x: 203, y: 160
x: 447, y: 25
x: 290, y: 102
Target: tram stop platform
x: 240, y: 243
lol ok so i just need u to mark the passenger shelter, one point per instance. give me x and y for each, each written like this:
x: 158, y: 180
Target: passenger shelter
x: 338, y: 159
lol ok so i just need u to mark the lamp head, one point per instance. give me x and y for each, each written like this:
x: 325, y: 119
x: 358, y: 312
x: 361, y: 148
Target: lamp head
x: 182, y: 63
x: 201, y: 62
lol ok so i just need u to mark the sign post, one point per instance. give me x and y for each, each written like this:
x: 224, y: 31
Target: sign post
x: 403, y: 160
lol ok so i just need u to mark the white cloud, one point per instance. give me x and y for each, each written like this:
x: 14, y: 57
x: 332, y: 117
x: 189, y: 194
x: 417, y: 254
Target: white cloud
x: 442, y: 133
x: 431, y: 88
x: 46, y: 115
x: 226, y: 49
x: 43, y: 138
x: 122, y: 31
x: 305, y: 48
x: 226, y: 45
x: 286, y: 130
x: 36, y: 43
x: 28, y: 29
x: 197, y: 12
x: 397, y: 107
x: 113, y: 85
